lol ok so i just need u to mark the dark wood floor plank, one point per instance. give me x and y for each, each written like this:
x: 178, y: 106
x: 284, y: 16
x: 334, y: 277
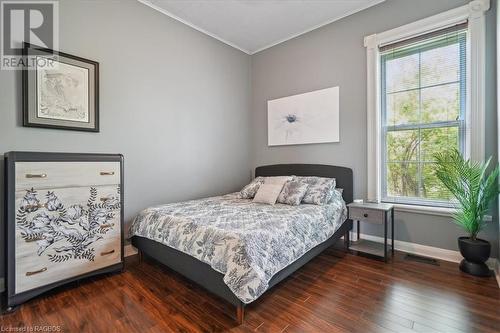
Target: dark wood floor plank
x: 336, y: 292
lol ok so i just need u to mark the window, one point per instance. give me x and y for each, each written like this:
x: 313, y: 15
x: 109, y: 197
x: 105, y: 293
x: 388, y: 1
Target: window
x: 425, y: 91
x: 423, y: 111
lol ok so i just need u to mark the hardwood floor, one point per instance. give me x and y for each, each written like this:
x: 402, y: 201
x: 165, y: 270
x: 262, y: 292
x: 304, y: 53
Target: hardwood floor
x: 336, y: 292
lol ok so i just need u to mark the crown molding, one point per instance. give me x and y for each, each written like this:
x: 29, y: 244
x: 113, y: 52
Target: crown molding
x: 279, y: 41
x: 349, y: 13
x: 189, y: 24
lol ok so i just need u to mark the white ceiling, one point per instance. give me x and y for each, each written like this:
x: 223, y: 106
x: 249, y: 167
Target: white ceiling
x: 254, y: 25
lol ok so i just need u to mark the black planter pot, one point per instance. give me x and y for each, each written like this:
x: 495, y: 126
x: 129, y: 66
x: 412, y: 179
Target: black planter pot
x: 475, y: 253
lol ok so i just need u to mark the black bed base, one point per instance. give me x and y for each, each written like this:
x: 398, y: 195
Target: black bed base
x: 202, y: 274
x: 213, y: 281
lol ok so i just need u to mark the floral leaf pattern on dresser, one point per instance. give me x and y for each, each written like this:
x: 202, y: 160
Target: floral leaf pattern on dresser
x: 247, y: 242
x: 65, y: 232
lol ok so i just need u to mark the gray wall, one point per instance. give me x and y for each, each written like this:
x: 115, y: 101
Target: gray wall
x: 173, y: 101
x: 189, y: 113
x: 498, y: 107
x: 334, y: 55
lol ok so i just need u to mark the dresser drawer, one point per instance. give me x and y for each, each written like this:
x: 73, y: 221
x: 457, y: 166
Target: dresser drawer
x: 65, y: 232
x: 366, y: 215
x: 43, y: 175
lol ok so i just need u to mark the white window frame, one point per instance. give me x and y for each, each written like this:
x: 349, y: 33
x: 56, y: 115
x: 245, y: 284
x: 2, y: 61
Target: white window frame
x: 474, y: 13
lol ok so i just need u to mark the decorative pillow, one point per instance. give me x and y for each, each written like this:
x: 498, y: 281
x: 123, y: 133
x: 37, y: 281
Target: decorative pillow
x: 293, y: 192
x: 319, y: 191
x: 336, y: 195
x: 277, y: 180
x: 268, y: 193
x: 248, y: 192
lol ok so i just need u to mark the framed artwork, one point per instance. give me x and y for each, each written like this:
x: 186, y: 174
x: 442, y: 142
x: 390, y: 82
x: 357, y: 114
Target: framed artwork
x: 60, y: 90
x: 311, y: 117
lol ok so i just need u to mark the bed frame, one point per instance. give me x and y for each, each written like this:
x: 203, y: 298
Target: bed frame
x: 202, y: 274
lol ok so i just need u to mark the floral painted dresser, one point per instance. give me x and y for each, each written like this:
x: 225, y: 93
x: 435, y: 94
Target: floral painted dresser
x: 64, y: 220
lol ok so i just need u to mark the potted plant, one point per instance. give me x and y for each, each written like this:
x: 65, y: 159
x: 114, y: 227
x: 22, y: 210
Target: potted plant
x: 474, y: 188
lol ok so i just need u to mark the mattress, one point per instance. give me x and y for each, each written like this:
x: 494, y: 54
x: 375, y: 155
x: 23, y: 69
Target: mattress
x: 247, y: 242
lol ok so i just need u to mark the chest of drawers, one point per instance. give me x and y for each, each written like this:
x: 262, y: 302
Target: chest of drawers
x: 64, y: 220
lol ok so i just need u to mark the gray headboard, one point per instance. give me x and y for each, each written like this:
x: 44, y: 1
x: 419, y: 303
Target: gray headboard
x: 342, y: 175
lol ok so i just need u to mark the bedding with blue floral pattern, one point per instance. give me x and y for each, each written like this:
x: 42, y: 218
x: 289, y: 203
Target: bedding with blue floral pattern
x: 247, y: 242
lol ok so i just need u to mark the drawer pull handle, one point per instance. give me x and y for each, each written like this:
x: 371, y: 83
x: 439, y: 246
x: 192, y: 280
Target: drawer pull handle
x: 365, y: 215
x: 107, y: 173
x: 107, y: 252
x: 36, y: 272
x: 35, y: 175
x: 40, y: 205
x: 107, y: 225
x: 104, y: 199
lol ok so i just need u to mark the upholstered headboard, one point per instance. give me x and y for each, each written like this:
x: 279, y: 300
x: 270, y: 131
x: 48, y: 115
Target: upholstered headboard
x: 342, y: 175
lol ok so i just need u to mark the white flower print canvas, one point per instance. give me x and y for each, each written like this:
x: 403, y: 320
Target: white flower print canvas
x: 311, y: 117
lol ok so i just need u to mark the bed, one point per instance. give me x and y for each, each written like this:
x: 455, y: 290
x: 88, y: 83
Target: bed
x: 237, y: 249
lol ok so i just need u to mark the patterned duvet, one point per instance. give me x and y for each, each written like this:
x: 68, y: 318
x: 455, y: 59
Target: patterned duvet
x: 245, y: 241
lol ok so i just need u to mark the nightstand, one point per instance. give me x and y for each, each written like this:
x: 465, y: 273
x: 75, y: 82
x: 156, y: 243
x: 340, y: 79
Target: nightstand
x: 374, y: 213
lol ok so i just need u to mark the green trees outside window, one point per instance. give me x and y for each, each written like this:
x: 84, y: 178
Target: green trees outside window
x: 423, y: 113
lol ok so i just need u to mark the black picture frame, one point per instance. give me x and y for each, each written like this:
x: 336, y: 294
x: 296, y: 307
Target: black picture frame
x: 29, y: 88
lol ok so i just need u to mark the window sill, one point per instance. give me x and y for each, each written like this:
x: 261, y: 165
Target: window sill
x: 428, y: 210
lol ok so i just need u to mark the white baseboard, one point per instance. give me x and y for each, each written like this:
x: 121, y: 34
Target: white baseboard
x: 428, y: 251
x: 497, y: 271
x: 129, y: 250
x: 492, y: 264
x: 419, y: 249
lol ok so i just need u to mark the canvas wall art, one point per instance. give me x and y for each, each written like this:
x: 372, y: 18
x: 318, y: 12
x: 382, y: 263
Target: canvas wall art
x: 311, y: 117
x: 62, y: 95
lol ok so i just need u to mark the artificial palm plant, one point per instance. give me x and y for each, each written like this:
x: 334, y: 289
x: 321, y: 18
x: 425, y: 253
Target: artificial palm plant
x: 474, y: 188
x: 470, y: 184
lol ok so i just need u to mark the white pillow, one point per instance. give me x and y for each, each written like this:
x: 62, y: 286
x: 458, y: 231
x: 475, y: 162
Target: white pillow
x: 268, y: 193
